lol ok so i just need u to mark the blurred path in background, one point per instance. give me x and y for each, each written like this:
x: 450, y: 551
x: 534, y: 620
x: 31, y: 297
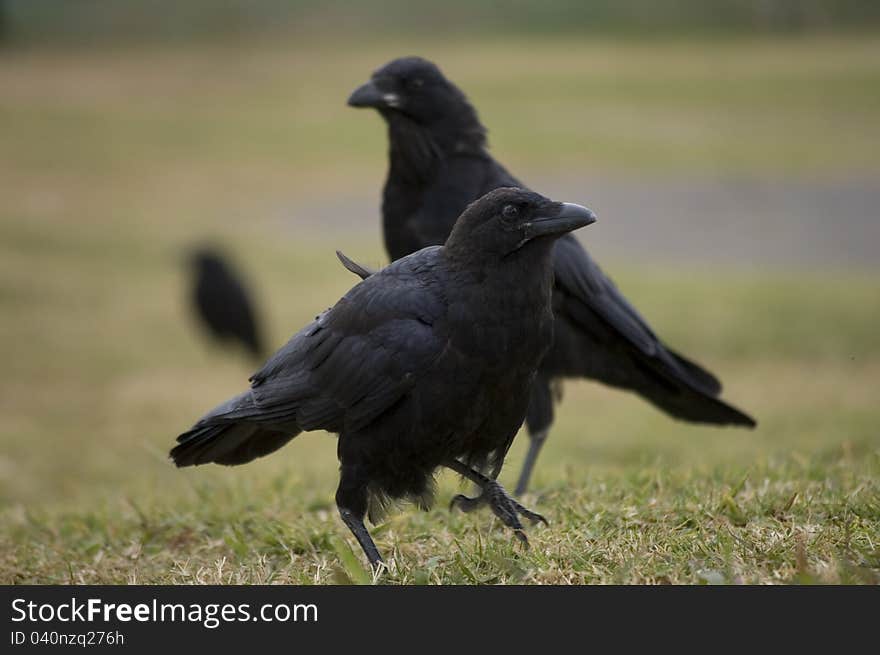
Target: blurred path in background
x: 731, y: 222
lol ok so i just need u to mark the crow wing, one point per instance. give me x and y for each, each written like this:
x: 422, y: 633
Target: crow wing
x: 358, y: 358
x: 340, y: 372
x: 591, y: 297
x: 589, y: 300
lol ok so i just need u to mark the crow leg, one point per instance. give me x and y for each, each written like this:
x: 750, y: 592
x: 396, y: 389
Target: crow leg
x: 359, y: 530
x: 351, y: 500
x: 502, y: 505
x: 536, y: 440
x: 468, y: 504
x: 539, y: 418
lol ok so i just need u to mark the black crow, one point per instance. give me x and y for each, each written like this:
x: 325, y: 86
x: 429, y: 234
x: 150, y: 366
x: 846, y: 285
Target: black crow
x: 222, y: 303
x: 427, y: 363
x: 438, y: 163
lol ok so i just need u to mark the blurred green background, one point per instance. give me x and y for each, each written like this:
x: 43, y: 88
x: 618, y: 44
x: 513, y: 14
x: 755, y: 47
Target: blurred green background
x: 103, y: 19
x: 729, y: 148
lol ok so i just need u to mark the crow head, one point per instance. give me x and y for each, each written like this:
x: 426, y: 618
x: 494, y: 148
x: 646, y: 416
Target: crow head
x: 510, y: 220
x: 415, y: 88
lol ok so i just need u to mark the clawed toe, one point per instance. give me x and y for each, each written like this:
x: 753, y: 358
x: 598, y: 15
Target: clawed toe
x: 523, y: 539
x: 466, y: 504
x: 508, y: 510
x: 503, y: 506
x: 534, y: 517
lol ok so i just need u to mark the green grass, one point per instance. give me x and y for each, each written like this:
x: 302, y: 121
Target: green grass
x: 789, y: 518
x: 165, y: 19
x: 112, y: 161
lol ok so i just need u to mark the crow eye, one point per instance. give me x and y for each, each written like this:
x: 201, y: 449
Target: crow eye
x: 417, y: 82
x: 510, y: 212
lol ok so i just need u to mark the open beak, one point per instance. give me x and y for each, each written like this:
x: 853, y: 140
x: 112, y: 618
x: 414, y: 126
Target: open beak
x: 370, y: 95
x: 569, y: 217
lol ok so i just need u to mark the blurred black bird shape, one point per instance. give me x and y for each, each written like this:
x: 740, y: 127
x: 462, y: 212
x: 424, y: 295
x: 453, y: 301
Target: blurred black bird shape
x: 427, y: 363
x: 222, y: 303
x: 438, y: 163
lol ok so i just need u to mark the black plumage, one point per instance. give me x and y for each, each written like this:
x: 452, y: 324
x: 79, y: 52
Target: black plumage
x: 438, y: 163
x: 222, y: 304
x: 427, y: 363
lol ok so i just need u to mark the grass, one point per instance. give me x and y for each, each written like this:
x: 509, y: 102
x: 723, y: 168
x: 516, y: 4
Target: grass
x: 114, y: 160
x: 790, y: 518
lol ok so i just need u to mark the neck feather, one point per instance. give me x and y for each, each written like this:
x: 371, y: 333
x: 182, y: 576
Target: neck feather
x: 416, y: 149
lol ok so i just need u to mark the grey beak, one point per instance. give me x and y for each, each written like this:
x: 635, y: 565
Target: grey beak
x: 570, y: 217
x: 368, y: 95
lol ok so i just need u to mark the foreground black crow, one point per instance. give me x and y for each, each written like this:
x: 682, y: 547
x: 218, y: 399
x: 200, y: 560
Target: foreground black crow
x: 221, y: 302
x: 427, y: 363
x: 438, y: 164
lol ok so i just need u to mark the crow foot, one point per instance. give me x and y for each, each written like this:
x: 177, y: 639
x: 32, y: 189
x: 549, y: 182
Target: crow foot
x: 493, y: 494
x: 509, y: 511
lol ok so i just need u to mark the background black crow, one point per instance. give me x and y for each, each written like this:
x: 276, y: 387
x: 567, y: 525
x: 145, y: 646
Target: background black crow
x: 427, y: 363
x: 222, y: 303
x: 438, y: 164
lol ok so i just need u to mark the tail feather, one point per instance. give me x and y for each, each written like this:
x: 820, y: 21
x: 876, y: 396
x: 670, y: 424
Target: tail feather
x: 230, y: 443
x: 685, y: 401
x: 229, y: 435
x: 706, y: 409
x: 699, y: 376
